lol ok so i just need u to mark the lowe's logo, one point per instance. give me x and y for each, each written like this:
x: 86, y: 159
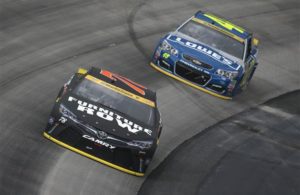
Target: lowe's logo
x: 203, y: 50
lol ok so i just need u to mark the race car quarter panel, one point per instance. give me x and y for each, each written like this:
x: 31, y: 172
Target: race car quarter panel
x: 108, y: 118
x: 208, y: 53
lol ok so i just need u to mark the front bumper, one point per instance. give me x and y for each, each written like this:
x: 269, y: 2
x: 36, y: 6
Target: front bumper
x: 124, y: 159
x: 186, y: 81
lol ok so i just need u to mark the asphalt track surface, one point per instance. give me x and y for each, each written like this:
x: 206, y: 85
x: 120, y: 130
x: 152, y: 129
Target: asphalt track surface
x: 44, y: 42
x: 254, y: 152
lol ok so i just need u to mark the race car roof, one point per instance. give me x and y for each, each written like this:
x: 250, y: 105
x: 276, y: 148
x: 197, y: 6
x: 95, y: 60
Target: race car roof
x: 223, y: 24
x: 123, y: 83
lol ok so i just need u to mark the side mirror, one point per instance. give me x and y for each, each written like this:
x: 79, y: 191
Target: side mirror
x: 82, y: 71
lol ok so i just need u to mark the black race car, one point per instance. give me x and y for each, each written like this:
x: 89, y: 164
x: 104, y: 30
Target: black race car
x: 108, y: 118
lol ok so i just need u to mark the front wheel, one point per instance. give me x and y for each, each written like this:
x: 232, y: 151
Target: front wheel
x: 252, y: 72
x: 246, y: 78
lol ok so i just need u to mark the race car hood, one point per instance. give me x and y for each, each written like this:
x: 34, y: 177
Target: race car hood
x: 102, y: 118
x: 186, y: 45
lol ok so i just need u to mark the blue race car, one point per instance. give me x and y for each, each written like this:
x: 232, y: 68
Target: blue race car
x: 210, y: 54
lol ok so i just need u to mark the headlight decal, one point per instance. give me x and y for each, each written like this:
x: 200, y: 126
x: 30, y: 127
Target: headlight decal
x: 141, y: 144
x: 169, y: 48
x: 228, y: 74
x: 66, y: 112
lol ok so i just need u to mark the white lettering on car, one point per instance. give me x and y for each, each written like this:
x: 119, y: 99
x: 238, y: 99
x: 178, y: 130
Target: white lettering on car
x: 203, y: 50
x: 109, y: 116
x: 105, y: 116
x: 99, y: 141
x: 127, y: 124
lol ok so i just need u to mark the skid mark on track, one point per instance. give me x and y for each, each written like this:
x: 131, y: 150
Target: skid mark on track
x: 6, y: 83
x: 132, y: 33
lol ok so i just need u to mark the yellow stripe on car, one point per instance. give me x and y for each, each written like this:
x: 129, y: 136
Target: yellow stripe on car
x: 121, y: 91
x: 91, y: 156
x: 189, y: 83
x: 219, y: 29
x: 226, y: 24
x: 82, y: 71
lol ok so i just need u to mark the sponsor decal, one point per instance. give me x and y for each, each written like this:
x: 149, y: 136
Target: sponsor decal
x: 193, y: 66
x: 166, y: 55
x: 137, y: 87
x: 197, y: 62
x: 108, y: 115
x: 101, y: 135
x: 204, y: 50
x: 62, y: 119
x: 97, y: 141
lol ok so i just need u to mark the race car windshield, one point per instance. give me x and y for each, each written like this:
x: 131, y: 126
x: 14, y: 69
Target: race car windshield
x: 213, y: 38
x: 102, y: 95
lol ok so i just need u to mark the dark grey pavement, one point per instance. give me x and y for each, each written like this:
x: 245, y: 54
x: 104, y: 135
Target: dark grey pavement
x: 254, y: 152
x: 43, y: 42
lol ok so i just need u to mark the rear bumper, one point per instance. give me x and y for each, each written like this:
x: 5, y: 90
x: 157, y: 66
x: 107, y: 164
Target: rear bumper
x: 82, y: 149
x: 189, y: 83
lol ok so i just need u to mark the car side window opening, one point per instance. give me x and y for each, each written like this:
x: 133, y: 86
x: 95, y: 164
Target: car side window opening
x: 249, y: 48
